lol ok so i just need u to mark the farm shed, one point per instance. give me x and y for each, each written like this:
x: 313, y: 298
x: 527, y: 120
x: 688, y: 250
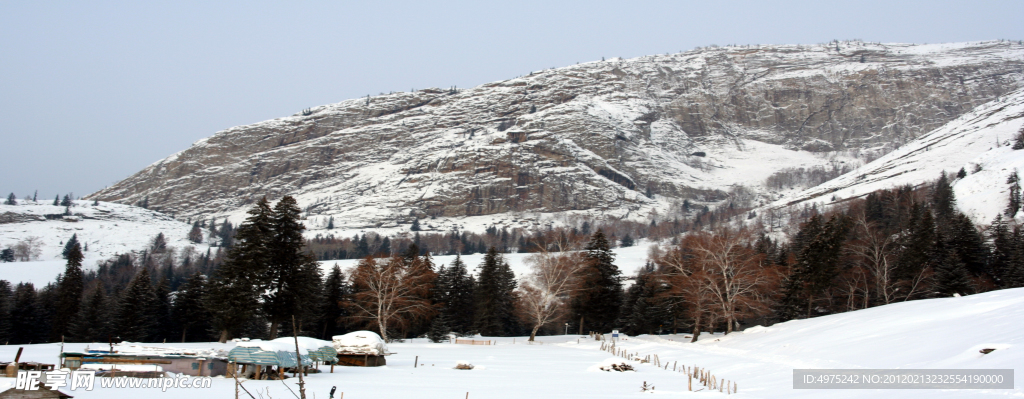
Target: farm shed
x: 149, y: 360
x: 257, y: 357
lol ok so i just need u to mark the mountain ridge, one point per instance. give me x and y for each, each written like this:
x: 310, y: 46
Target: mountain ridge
x: 623, y: 138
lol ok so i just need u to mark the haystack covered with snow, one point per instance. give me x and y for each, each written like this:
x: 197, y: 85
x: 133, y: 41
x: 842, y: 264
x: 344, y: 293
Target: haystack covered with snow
x: 360, y: 343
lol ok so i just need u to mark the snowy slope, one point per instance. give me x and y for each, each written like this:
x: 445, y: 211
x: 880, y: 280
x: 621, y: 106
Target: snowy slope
x: 617, y: 137
x: 979, y: 142
x: 930, y: 334
x: 108, y: 229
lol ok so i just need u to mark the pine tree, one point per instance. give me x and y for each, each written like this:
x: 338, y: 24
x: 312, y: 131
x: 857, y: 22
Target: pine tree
x: 644, y: 311
x: 439, y: 329
x: 336, y: 292
x: 66, y: 202
x: 137, y: 309
x: 967, y: 245
x: 816, y: 265
x: 917, y: 245
x: 1004, y: 252
x: 70, y: 244
x: 330, y: 223
x: 26, y: 317
x: 196, y: 234
x: 951, y: 275
x: 627, y: 241
x: 455, y: 289
x: 1018, y: 140
x: 91, y: 324
x: 159, y: 244
x: 212, y: 232
x: 494, y: 296
x: 6, y: 302
x: 165, y: 326
x: 234, y: 292
x: 1014, y: 203
x: 7, y: 255
x: 961, y: 174
x: 56, y: 200
x: 415, y: 225
x: 69, y: 292
x: 188, y: 310
x: 11, y: 200
x: 943, y: 200
x: 293, y: 274
x: 362, y: 247
x: 385, y: 247
x: 226, y: 232
x: 599, y: 301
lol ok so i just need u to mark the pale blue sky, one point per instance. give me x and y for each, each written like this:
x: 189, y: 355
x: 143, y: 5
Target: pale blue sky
x: 91, y: 92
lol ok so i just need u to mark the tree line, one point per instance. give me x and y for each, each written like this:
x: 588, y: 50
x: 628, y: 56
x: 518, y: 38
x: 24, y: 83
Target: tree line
x: 893, y: 245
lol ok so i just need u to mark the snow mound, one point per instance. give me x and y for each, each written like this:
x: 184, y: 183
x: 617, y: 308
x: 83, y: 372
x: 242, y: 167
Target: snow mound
x: 360, y: 343
x: 614, y: 364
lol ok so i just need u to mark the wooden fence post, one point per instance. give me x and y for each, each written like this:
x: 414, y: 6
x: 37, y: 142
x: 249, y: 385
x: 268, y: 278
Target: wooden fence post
x: 416, y: 362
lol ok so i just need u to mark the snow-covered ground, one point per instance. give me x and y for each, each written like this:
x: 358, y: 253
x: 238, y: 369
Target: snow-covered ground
x: 110, y: 229
x: 628, y: 259
x: 107, y: 228
x: 931, y: 334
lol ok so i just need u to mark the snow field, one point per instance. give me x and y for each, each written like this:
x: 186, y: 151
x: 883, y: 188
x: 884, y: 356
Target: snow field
x: 930, y: 334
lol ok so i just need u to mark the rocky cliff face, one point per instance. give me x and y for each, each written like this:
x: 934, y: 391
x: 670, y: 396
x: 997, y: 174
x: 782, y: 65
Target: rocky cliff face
x: 624, y: 136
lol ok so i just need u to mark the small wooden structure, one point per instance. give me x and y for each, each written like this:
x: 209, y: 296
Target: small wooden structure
x: 42, y: 393
x: 181, y: 364
x: 364, y: 360
x: 361, y: 349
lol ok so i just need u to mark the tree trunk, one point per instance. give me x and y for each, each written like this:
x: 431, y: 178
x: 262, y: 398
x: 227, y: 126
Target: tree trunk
x: 581, y: 325
x: 273, y: 329
x: 383, y: 329
x: 534, y: 332
x: 696, y: 329
x: 223, y: 336
x: 728, y: 328
x: 183, y: 331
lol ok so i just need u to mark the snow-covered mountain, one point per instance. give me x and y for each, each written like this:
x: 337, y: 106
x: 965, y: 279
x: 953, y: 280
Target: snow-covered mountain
x: 107, y: 229
x: 616, y: 137
x: 979, y: 142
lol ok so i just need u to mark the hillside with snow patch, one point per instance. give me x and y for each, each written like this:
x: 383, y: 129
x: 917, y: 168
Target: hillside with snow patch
x: 106, y: 228
x: 979, y: 142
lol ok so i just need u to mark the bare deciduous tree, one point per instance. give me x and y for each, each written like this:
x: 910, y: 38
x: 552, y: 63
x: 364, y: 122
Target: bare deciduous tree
x: 391, y: 292
x: 544, y: 294
x: 29, y: 249
x: 720, y: 276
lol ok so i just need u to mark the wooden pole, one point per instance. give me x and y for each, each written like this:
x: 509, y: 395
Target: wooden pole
x: 416, y: 362
x: 298, y: 360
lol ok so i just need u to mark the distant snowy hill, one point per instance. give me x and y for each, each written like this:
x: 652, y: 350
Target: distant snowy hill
x: 628, y: 138
x: 107, y: 228
x: 979, y: 142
